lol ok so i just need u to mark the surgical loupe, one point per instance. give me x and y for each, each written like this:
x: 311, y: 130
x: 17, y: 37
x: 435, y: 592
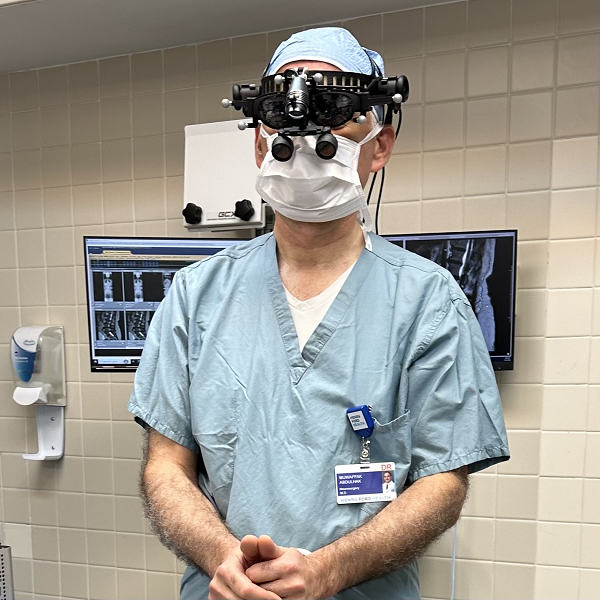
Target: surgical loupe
x: 300, y: 102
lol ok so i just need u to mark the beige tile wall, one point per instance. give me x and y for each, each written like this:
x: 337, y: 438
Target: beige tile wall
x: 501, y: 130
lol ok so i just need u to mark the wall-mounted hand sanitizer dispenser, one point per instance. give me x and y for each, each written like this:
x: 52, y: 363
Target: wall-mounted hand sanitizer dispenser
x: 38, y: 358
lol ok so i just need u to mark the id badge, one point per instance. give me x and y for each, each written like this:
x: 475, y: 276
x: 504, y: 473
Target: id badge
x: 372, y: 482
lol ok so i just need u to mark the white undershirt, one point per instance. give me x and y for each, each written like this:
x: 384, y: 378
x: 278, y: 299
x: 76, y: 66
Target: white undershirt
x: 307, y: 314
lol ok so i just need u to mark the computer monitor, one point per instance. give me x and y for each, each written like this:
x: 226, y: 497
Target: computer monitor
x: 127, y: 279
x: 484, y: 263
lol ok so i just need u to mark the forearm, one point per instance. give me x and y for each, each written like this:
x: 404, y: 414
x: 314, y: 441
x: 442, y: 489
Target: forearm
x: 399, y: 533
x: 182, y: 517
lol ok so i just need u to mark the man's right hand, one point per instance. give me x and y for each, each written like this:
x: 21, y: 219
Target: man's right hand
x: 230, y: 581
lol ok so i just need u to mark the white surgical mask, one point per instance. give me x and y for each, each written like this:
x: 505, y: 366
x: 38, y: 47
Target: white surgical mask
x: 308, y: 188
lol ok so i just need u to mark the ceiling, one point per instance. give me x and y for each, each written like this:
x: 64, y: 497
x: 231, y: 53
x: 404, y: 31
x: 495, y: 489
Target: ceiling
x: 40, y: 33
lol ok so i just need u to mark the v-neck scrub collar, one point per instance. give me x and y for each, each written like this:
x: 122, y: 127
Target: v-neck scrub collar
x: 300, y: 362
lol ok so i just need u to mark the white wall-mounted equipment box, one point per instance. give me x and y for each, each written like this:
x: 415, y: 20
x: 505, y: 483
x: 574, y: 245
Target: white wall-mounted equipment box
x: 219, y: 178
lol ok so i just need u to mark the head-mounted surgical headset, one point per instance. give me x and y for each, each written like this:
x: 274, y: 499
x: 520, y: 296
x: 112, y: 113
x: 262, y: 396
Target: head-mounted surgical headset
x: 300, y: 102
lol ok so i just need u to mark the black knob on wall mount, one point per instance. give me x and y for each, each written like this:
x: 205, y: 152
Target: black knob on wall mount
x: 244, y: 210
x: 192, y: 214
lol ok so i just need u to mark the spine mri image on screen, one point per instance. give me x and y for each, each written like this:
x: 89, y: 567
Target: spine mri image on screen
x: 475, y: 265
x: 138, y: 286
x: 127, y: 279
x: 109, y: 325
x: 108, y: 287
x: 138, y: 322
x: 143, y: 289
x: 108, y: 293
x: 126, y: 301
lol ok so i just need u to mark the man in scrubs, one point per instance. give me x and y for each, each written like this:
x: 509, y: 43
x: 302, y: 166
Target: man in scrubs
x: 257, y: 353
x: 388, y: 483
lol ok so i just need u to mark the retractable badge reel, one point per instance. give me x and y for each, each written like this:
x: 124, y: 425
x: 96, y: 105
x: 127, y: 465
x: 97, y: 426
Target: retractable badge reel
x: 365, y: 481
x: 363, y: 425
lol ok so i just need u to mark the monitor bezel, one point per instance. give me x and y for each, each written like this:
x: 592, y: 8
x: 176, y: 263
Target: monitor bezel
x: 131, y: 368
x: 498, y: 363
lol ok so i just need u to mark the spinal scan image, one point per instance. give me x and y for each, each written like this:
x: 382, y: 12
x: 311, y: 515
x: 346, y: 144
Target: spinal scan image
x: 471, y: 262
x: 109, y: 325
x: 147, y: 286
x: 138, y: 322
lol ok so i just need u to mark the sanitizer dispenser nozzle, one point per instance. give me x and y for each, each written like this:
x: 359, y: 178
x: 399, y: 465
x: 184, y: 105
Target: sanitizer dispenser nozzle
x: 38, y: 359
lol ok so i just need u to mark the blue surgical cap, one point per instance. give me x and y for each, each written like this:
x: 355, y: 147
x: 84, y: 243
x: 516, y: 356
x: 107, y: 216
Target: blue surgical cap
x: 333, y: 45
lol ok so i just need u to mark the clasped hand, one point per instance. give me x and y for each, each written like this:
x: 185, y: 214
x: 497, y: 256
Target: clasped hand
x: 260, y: 570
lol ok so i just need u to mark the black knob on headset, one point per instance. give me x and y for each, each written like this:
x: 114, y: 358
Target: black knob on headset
x: 244, y: 210
x: 192, y: 214
x: 402, y: 87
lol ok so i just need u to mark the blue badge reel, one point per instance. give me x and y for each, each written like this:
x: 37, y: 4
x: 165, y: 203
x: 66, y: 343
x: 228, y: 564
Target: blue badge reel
x: 361, y: 420
x: 366, y: 481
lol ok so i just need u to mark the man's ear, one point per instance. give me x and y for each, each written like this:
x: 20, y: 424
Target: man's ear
x: 384, y: 145
x: 260, y: 147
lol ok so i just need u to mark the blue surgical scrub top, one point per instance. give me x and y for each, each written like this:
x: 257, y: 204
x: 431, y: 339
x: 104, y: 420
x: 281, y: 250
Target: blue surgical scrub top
x: 222, y: 374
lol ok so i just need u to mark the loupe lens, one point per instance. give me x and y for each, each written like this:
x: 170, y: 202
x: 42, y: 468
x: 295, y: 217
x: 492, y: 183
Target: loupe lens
x: 282, y: 148
x: 326, y: 147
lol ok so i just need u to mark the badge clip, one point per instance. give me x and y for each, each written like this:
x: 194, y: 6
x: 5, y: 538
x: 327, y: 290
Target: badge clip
x: 363, y: 425
x: 365, y: 453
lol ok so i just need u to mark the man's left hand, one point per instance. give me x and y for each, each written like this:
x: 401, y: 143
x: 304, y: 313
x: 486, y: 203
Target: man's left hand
x: 291, y: 575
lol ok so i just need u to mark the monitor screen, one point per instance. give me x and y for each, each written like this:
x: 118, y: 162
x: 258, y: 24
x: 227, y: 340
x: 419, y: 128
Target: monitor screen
x: 127, y: 278
x: 484, y: 263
